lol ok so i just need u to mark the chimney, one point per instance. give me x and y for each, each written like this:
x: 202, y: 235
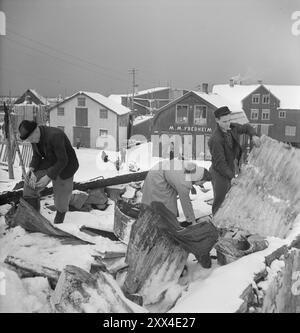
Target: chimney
x: 205, y: 88
x: 231, y: 83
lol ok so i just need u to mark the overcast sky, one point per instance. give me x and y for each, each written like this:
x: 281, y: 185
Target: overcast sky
x: 62, y: 46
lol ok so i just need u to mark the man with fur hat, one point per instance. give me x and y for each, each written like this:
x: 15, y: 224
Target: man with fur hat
x: 167, y: 179
x: 53, y: 159
x: 226, y: 152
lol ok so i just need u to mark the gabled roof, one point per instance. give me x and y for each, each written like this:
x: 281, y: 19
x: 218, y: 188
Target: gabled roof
x: 118, y: 98
x: 288, y: 95
x: 41, y: 98
x: 214, y: 100
x: 102, y: 100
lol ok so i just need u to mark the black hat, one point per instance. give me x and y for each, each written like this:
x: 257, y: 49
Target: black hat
x: 26, y: 127
x: 222, y: 111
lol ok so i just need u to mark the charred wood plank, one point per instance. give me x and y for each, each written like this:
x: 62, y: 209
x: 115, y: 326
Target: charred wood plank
x: 25, y: 268
x: 14, y: 196
x: 78, y: 291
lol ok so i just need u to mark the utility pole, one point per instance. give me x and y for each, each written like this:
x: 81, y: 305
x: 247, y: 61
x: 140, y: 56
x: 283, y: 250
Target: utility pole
x: 133, y: 72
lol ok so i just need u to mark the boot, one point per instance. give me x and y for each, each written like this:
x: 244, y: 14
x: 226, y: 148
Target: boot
x: 59, y: 217
x: 33, y: 202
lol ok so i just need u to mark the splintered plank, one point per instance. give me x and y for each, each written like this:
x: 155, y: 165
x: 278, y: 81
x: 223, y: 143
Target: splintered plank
x: 30, y: 269
x: 154, y: 259
x: 283, y: 294
x: 32, y: 221
x: 78, y: 291
x: 266, y: 199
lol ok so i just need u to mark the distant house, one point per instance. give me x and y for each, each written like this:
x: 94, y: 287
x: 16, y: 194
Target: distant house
x: 95, y: 120
x: 273, y: 109
x: 189, y: 121
x: 150, y: 100
x: 31, y: 106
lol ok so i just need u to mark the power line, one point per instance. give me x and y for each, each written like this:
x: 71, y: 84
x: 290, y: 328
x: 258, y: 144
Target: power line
x: 56, y: 57
x: 102, y: 68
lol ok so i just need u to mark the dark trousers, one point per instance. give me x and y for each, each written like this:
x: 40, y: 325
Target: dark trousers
x: 221, y: 186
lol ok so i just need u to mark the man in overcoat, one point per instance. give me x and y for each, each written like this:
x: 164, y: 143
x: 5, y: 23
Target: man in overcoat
x: 54, y: 159
x: 226, y: 153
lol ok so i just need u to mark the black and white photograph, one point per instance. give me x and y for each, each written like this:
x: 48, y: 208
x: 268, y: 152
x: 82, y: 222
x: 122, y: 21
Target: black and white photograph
x: 149, y: 159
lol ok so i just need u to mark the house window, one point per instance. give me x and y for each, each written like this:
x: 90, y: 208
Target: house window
x: 290, y: 130
x: 255, y: 99
x: 60, y: 111
x: 103, y: 114
x: 103, y: 133
x: 200, y: 112
x: 266, y: 99
x: 61, y: 127
x: 81, y: 117
x: 81, y: 101
x: 282, y: 114
x: 265, y: 115
x: 182, y: 114
x: 254, y: 114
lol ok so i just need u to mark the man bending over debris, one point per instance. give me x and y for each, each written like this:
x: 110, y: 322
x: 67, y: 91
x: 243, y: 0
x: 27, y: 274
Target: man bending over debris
x: 53, y: 159
x: 226, y: 152
x: 167, y: 179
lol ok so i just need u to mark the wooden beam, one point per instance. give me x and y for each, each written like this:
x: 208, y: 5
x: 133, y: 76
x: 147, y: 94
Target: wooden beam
x: 14, y: 196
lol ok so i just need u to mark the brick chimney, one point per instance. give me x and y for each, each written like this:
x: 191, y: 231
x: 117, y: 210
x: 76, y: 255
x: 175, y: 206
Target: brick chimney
x: 205, y: 88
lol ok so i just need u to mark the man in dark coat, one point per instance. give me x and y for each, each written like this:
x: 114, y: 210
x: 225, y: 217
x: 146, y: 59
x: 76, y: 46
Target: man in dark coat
x: 53, y: 159
x: 226, y: 152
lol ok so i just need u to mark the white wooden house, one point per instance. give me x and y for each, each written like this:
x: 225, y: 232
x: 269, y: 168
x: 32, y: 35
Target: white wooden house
x: 95, y: 120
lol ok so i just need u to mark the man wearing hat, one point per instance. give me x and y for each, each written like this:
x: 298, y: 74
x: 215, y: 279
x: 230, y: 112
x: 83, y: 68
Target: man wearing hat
x: 167, y: 179
x: 53, y: 159
x: 226, y: 152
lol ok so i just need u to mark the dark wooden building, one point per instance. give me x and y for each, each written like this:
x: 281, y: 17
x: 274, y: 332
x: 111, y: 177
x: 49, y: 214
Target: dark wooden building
x: 188, y: 122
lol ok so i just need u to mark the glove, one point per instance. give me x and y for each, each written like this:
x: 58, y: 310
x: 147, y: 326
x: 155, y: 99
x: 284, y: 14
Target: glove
x: 30, y: 178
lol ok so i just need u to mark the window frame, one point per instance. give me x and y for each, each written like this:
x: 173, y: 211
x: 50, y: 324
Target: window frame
x: 103, y: 136
x: 204, y: 118
x: 82, y: 98
x: 251, y: 113
x: 281, y: 111
x: 254, y: 96
x: 290, y: 127
x: 102, y: 110
x: 187, y: 113
x: 263, y: 111
x: 263, y: 96
x: 60, y: 114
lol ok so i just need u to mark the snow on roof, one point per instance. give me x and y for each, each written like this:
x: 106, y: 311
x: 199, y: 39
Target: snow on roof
x: 288, y: 95
x: 39, y: 96
x: 107, y: 102
x: 104, y: 101
x: 236, y: 93
x: 149, y: 91
x: 141, y: 119
x: 116, y: 98
x: 219, y: 101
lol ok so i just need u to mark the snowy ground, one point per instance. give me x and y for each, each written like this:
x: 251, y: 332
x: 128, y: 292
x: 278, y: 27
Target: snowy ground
x: 203, y: 290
